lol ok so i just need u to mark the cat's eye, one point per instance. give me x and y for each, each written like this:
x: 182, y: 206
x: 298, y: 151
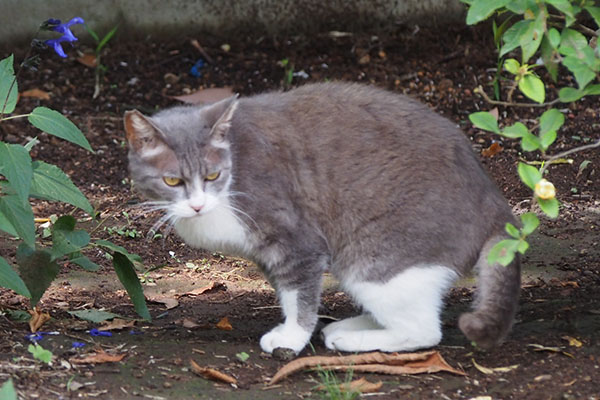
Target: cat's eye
x: 212, y: 177
x: 172, y: 181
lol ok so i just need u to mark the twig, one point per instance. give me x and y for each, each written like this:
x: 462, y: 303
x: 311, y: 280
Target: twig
x: 198, y: 47
x: 483, y: 94
x: 566, y: 153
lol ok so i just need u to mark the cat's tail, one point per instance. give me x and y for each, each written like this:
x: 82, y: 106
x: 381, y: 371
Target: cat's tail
x: 496, y: 300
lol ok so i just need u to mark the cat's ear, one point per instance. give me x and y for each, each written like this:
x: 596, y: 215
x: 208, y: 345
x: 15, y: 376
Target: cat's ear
x: 225, y: 110
x: 142, y: 135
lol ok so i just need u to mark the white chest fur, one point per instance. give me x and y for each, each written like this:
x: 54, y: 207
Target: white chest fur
x: 218, y: 230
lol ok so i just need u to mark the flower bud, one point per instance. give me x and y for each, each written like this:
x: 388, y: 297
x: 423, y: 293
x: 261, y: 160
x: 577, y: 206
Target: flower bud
x: 545, y: 190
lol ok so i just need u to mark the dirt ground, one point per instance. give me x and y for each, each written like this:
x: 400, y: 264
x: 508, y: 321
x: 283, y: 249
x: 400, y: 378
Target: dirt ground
x: 554, y: 349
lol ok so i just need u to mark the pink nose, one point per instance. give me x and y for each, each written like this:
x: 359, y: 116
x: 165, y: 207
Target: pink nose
x: 196, y: 208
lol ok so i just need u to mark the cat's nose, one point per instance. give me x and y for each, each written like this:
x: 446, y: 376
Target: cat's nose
x: 196, y: 208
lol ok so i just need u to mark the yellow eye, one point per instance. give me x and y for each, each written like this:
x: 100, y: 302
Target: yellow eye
x: 212, y: 177
x: 172, y: 181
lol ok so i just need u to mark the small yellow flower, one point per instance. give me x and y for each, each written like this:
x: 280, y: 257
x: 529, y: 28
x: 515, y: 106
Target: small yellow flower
x: 545, y: 190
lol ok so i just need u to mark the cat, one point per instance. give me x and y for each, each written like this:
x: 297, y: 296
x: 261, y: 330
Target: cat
x: 372, y: 186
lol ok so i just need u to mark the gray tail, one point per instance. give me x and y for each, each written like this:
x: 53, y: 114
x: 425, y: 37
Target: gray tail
x: 496, y: 300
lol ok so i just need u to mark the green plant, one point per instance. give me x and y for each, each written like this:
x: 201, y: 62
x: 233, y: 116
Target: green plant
x: 7, y: 391
x: 331, y: 388
x: 549, y: 34
x: 24, y: 178
x: 100, y: 69
x: 288, y: 75
x: 40, y: 354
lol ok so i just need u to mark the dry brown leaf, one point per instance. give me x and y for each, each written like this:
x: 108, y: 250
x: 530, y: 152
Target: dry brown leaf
x: 116, y: 324
x: 376, y: 362
x: 169, y: 302
x: 212, y: 374
x: 491, y: 151
x: 100, y: 357
x: 359, y: 385
x: 224, y: 324
x: 573, y: 342
x: 36, y: 93
x: 200, y: 290
x: 206, y: 96
x: 491, y: 371
x: 188, y: 323
x: 37, y: 319
x: 89, y: 60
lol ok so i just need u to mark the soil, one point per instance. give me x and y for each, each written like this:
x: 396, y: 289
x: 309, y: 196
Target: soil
x: 555, y: 343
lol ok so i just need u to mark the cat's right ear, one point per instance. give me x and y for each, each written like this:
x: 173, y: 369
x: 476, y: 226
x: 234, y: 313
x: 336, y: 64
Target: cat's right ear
x: 142, y: 136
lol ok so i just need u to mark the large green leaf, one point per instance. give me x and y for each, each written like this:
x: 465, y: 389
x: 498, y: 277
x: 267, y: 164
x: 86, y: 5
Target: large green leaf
x: 532, y: 38
x: 521, y: 6
x: 7, y: 391
x: 50, y: 183
x: 565, y: 7
x: 134, y: 258
x: 549, y: 206
x: 530, y: 222
x: 550, y: 122
x: 20, y: 216
x: 37, y: 270
x: 515, y: 131
x: 595, y: 13
x: 533, y: 87
x: 503, y: 252
x: 482, y: 9
x: 56, y: 124
x: 65, y: 239
x: 126, y: 273
x: 513, y: 36
x: 582, y: 72
x: 529, y: 175
x: 15, y: 164
x: 9, y: 91
x: 10, y: 279
x: 549, y: 53
x: 6, y: 226
x: 84, y: 262
x: 572, y: 43
x: 95, y: 316
x: 484, y: 120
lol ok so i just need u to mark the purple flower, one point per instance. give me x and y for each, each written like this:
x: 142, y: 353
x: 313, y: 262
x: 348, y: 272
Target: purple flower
x: 77, y: 345
x: 65, y: 29
x: 96, y: 332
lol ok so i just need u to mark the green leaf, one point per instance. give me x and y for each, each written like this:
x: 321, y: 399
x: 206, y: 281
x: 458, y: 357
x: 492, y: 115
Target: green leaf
x: 532, y: 38
x: 96, y: 316
x: 37, y: 271
x: 551, y: 120
x: 65, y: 239
x: 594, y: 90
x: 582, y: 72
x: 20, y: 216
x: 529, y: 175
x: 134, y: 258
x: 39, y: 353
x: 572, y: 43
x: 533, y: 87
x: 595, y: 13
x: 512, y: 230
x: 546, y: 139
x: 564, y: 7
x: 8, y: 94
x: 484, y: 120
x: 512, y: 37
x: 569, y: 94
x: 515, y: 131
x: 503, y: 252
x: 50, y: 183
x: 530, y: 142
x: 56, y: 124
x: 106, y: 39
x: 523, y: 246
x: 549, y: 207
x: 554, y: 37
x: 6, y: 226
x: 242, y: 356
x: 84, y: 262
x: 482, y: 9
x: 126, y: 273
x: 7, y: 391
x: 530, y: 223
x: 15, y: 164
x: 512, y: 66
x: 549, y: 57
x: 11, y: 280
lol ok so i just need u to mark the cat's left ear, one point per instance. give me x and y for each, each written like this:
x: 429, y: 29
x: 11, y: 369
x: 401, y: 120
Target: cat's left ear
x: 220, y: 128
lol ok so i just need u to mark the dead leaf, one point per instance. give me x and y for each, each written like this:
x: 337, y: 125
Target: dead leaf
x: 37, y: 319
x: 491, y: 371
x: 376, y: 362
x: 100, y: 357
x: 188, y: 323
x: 206, y: 96
x: 572, y: 341
x: 539, y: 347
x: 212, y: 374
x: 491, y: 151
x: 494, y: 112
x: 200, y: 290
x: 116, y: 324
x: 224, y: 324
x: 359, y: 385
x: 36, y: 93
x: 89, y: 60
x: 169, y: 302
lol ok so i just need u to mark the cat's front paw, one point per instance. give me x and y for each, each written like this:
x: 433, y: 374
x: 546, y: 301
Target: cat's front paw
x: 284, y: 336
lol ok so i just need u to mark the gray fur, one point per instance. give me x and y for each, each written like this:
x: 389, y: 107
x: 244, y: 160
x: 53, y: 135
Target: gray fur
x: 349, y: 178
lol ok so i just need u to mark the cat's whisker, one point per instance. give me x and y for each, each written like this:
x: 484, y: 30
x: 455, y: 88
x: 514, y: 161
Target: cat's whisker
x: 238, y: 211
x: 158, y: 224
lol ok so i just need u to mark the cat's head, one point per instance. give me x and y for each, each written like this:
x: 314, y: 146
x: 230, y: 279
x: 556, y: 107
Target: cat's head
x: 181, y: 156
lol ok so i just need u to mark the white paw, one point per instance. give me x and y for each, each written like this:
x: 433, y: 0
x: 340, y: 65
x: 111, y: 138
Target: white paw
x: 286, y: 336
x: 359, y: 323
x: 350, y: 341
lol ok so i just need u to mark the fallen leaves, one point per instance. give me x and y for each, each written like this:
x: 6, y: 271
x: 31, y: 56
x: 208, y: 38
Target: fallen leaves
x: 89, y: 60
x: 37, y: 319
x: 169, y: 302
x: 224, y: 324
x: 539, y: 347
x: 376, y: 362
x: 99, y: 357
x: 36, y: 94
x: 117, y: 324
x: 212, y: 374
x: 357, y: 386
x: 200, y: 290
x: 491, y: 151
x: 491, y: 371
x: 573, y: 342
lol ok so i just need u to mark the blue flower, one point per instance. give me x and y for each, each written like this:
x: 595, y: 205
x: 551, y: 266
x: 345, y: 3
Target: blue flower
x: 96, y: 332
x: 77, y: 345
x: 65, y: 29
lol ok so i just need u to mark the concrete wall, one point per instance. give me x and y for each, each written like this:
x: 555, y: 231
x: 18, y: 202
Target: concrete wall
x: 19, y: 19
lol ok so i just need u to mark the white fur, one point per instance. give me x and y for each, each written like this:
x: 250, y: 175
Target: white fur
x: 290, y: 334
x: 405, y: 312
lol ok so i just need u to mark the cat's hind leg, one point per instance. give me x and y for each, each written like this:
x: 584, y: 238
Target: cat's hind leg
x: 407, y: 309
x: 358, y: 323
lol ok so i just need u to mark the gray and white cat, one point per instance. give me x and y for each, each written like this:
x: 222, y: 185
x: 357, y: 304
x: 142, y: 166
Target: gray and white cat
x: 372, y: 186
